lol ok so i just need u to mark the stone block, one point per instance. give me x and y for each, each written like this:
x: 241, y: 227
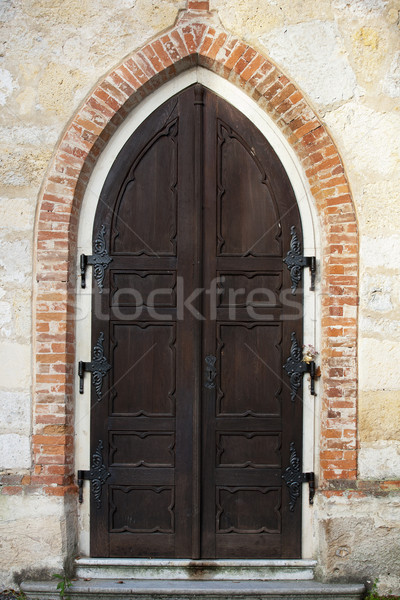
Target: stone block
x: 32, y: 534
x: 15, y: 260
x: 313, y: 54
x: 379, y: 364
x: 391, y: 83
x: 17, y: 214
x: 379, y: 460
x: 359, y: 538
x: 380, y: 252
x: 379, y: 208
x: 15, y: 451
x: 15, y: 412
x: 363, y: 134
x: 15, y: 366
x: 379, y: 416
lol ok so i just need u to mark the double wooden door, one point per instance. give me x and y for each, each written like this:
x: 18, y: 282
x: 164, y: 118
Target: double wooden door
x: 192, y: 414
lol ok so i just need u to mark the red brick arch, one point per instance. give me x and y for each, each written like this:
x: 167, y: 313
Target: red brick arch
x: 194, y: 40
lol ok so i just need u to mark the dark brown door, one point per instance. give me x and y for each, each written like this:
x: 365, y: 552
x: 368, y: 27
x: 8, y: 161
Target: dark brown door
x: 192, y: 424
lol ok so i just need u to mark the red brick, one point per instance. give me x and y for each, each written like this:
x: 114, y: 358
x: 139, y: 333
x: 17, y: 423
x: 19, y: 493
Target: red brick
x: 171, y: 48
x: 217, y: 45
x: 160, y: 51
x: 11, y: 490
x: 193, y: 35
x: 179, y: 43
x: 244, y: 61
x: 198, y: 5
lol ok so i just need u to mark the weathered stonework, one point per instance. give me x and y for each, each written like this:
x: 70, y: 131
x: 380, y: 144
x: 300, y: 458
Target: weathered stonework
x: 360, y: 537
x: 327, y: 72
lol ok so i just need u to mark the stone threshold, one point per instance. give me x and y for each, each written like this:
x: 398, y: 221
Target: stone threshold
x: 114, y: 589
x: 183, y: 569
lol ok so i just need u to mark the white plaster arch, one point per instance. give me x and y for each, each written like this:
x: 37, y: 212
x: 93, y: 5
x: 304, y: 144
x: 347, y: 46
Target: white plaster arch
x: 311, y: 240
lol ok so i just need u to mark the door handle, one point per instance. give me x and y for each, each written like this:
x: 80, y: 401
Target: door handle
x: 210, y: 371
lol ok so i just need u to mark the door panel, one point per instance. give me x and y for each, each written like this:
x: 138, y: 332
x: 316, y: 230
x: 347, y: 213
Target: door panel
x: 145, y: 214
x: 149, y: 389
x: 246, y: 386
x: 195, y: 415
x: 248, y: 221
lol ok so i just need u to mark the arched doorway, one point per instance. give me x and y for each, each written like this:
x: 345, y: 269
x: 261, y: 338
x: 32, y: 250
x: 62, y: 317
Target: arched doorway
x: 310, y: 157
x: 194, y: 420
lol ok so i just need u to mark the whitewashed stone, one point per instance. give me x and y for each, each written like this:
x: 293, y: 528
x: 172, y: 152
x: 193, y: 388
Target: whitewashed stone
x: 15, y: 260
x: 16, y: 213
x: 15, y: 451
x: 22, y: 315
x: 366, y: 140
x: 360, y: 7
x: 5, y: 319
x: 377, y: 291
x: 380, y: 300
x: 380, y: 328
x: 368, y: 530
x: 379, y: 364
x: 251, y: 18
x: 380, y: 460
x: 381, y: 252
x: 15, y: 365
x: 382, y: 196
x: 391, y: 84
x: 379, y: 411
x: 6, y: 85
x: 33, y: 135
x: 314, y: 56
x: 32, y: 534
x: 15, y: 412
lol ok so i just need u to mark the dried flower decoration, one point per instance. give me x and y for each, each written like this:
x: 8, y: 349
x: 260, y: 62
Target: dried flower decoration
x: 309, y: 353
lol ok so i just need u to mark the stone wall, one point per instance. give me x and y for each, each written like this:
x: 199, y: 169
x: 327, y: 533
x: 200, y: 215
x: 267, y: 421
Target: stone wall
x: 344, y: 55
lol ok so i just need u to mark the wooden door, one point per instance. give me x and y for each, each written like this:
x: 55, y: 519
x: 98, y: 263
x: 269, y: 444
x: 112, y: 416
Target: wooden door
x: 192, y: 416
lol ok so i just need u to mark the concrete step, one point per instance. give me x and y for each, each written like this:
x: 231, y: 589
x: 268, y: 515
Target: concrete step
x: 217, y: 570
x: 114, y: 589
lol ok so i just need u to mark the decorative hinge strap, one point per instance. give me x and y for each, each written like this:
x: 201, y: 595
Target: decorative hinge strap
x: 97, y: 476
x: 296, y: 262
x: 293, y: 478
x: 99, y: 260
x: 295, y: 367
x: 99, y: 367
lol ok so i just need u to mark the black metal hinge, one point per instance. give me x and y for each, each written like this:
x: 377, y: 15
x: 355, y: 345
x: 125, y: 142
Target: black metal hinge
x: 99, y: 367
x: 82, y: 475
x: 295, y: 367
x: 97, y: 476
x: 99, y: 260
x: 293, y: 478
x: 296, y: 262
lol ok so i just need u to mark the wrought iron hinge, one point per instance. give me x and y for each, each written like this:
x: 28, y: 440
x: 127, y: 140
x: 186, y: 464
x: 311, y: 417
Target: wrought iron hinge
x: 296, y: 262
x: 295, y: 367
x: 82, y: 475
x: 99, y: 367
x: 99, y: 260
x: 293, y: 478
x: 97, y: 476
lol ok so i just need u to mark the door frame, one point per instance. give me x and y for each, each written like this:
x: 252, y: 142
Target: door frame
x: 311, y: 240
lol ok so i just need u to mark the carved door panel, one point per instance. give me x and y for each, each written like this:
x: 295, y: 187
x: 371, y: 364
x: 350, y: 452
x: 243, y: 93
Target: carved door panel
x: 192, y: 418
